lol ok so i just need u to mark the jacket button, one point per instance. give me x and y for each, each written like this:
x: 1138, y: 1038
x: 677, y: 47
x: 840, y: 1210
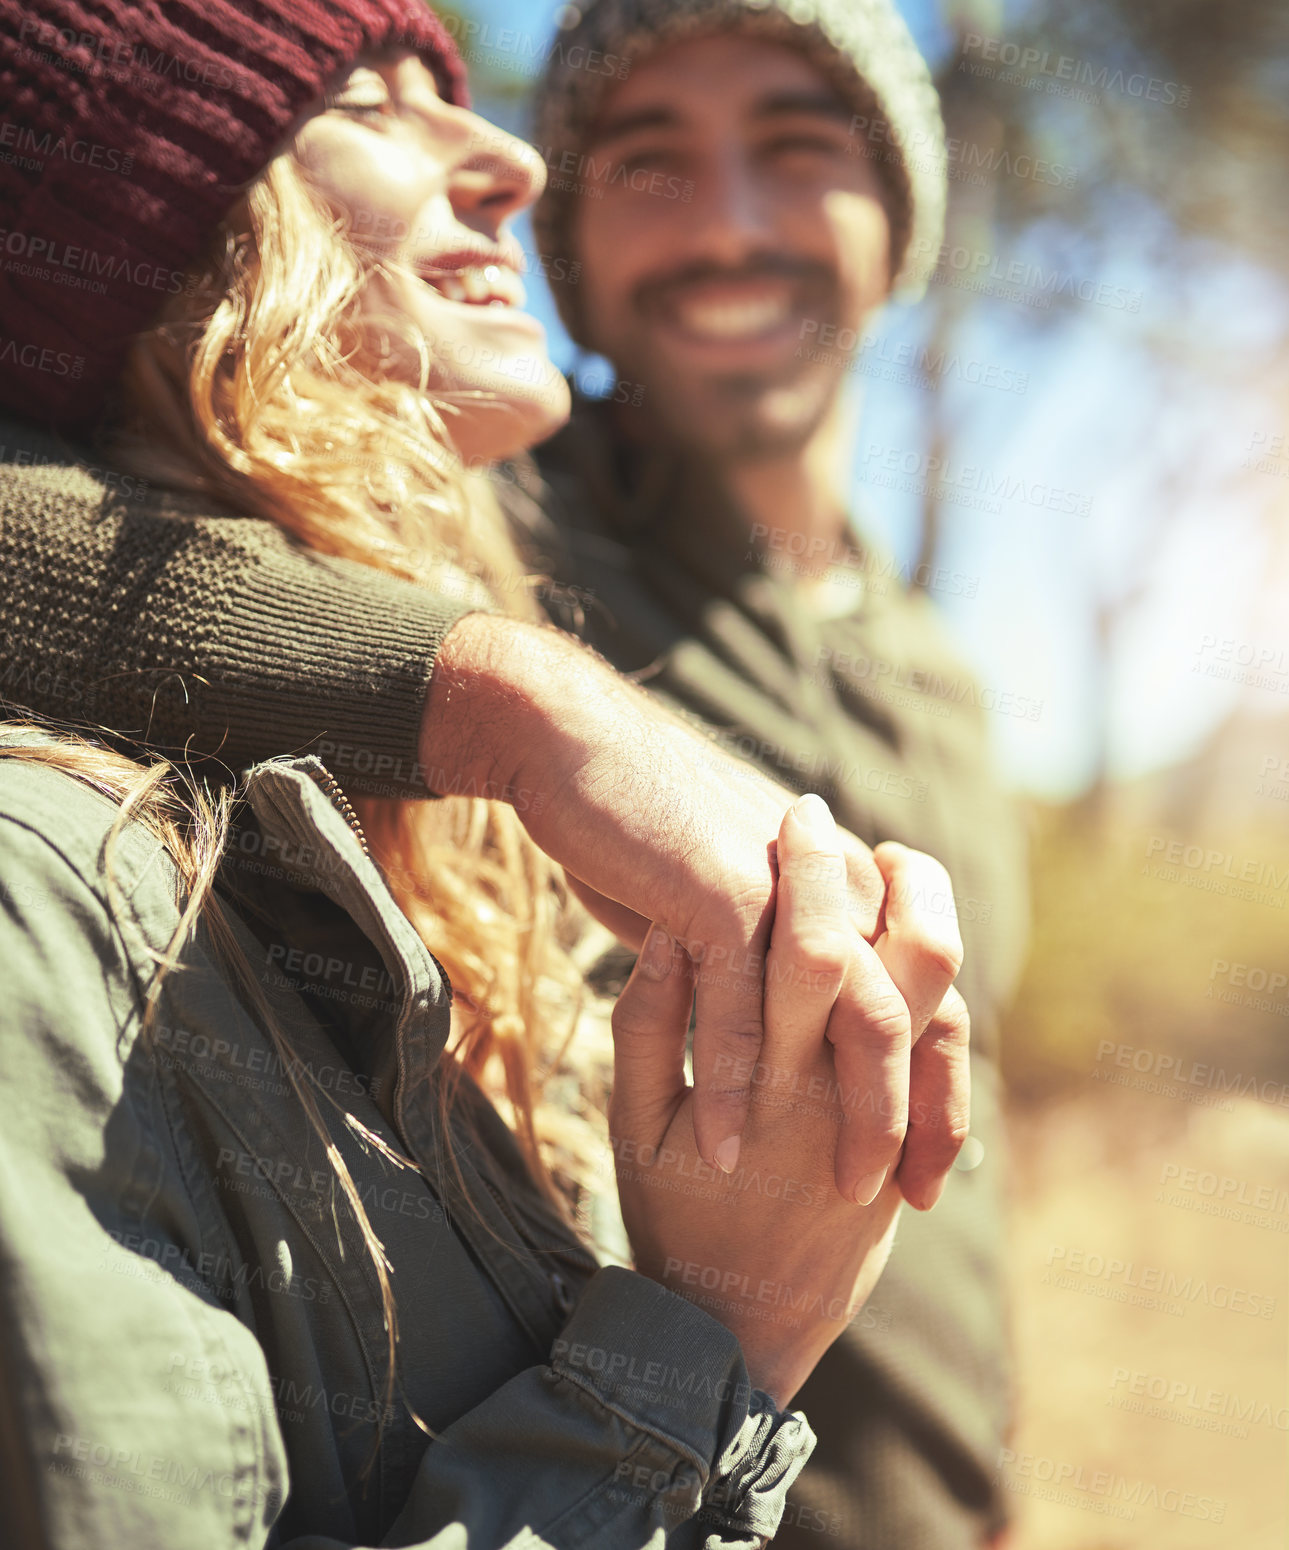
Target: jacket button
x: 562, y: 1291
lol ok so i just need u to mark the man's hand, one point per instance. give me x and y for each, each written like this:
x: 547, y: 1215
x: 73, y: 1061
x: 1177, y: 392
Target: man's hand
x: 661, y: 821
x: 775, y: 1251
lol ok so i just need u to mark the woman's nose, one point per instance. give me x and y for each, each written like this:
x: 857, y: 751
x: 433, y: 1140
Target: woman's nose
x: 496, y: 175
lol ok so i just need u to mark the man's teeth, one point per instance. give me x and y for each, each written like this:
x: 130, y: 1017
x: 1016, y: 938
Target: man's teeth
x: 476, y: 285
x: 734, y: 319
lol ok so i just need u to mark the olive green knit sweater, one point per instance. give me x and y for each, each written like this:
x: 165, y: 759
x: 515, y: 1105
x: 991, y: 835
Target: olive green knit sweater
x: 145, y: 612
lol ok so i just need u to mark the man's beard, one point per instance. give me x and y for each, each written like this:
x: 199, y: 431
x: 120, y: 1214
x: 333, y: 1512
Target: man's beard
x: 739, y: 419
x: 739, y: 416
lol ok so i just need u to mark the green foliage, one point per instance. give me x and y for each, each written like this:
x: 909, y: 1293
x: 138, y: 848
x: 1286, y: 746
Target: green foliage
x: 1124, y: 951
x: 1206, y: 148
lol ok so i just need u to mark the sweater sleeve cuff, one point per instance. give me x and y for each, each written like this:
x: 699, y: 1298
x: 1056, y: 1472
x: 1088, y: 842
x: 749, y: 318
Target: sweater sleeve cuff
x: 678, y: 1373
x: 326, y: 656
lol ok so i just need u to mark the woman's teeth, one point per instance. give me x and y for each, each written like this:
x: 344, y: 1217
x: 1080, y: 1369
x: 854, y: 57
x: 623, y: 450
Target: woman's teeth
x: 480, y: 287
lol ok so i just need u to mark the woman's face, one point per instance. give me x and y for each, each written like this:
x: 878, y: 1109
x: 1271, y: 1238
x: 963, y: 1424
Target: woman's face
x: 427, y: 187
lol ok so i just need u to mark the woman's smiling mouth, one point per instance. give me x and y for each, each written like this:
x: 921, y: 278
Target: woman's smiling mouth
x: 472, y: 280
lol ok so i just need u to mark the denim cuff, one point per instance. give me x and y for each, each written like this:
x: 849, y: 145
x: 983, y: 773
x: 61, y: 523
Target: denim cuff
x: 677, y: 1373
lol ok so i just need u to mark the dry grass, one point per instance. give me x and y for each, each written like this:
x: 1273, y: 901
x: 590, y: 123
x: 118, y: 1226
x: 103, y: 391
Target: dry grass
x: 1088, y: 1178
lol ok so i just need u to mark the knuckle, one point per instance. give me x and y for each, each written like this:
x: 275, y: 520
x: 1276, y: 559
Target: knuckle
x: 941, y: 1146
x: 886, y: 1022
x: 818, y: 949
x: 951, y: 1025
x: 954, y: 1007
x: 865, y: 884
x: 629, y: 1021
x: 956, y: 1134
x: 725, y: 1065
x: 930, y: 1152
x: 747, y: 895
x: 939, y: 951
x: 929, y: 867
x: 621, y: 1020
x: 948, y: 1130
x: 738, y: 1042
x: 886, y: 1137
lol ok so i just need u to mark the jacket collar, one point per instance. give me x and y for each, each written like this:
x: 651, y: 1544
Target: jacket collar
x: 307, y: 839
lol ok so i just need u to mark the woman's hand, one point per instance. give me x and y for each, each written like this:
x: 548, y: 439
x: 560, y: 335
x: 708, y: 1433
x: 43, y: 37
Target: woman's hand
x: 665, y: 825
x: 773, y: 1250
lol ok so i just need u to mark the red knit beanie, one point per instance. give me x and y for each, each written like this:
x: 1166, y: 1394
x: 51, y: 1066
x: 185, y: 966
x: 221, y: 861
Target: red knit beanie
x: 128, y: 130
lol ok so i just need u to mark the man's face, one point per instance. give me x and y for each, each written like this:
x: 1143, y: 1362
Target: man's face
x: 734, y: 214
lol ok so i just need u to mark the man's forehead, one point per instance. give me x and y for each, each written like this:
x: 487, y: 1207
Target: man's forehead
x: 717, y: 77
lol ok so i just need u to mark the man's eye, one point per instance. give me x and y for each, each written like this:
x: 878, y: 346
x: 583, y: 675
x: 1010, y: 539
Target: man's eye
x: 803, y: 144
x: 649, y: 162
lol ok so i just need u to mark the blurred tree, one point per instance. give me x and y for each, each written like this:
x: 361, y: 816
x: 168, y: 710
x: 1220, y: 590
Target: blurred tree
x: 504, y: 61
x: 1175, y: 114
x: 1176, y: 181
x: 1211, y: 157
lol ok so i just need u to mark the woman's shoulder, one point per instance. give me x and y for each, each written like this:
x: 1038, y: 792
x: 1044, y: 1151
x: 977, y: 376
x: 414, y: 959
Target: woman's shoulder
x: 64, y: 835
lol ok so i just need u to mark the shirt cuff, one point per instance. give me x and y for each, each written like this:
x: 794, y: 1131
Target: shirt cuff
x: 677, y: 1373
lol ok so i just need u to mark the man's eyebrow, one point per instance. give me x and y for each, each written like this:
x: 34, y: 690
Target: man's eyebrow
x: 785, y: 104
x: 782, y: 104
x: 618, y: 126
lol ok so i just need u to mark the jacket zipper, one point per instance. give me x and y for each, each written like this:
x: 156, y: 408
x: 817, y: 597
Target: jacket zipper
x: 331, y: 788
x: 563, y: 1293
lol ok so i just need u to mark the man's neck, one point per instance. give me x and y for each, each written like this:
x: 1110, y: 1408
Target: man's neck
x: 793, y: 505
x: 791, y: 508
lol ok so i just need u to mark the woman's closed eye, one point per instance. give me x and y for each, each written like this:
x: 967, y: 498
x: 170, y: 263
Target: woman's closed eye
x: 364, y: 95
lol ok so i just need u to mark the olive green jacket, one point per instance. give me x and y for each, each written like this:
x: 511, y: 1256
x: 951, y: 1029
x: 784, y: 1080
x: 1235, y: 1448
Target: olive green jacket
x: 192, y: 1350
x: 152, y: 613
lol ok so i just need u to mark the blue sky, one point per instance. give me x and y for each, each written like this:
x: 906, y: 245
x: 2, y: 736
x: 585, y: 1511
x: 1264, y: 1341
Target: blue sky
x: 1089, y: 422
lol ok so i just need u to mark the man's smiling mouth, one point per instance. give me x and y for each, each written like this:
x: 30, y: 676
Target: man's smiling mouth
x: 733, y: 309
x: 732, y: 318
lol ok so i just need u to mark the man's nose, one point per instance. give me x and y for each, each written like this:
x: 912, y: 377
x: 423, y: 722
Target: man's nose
x: 729, y: 216
x: 496, y: 176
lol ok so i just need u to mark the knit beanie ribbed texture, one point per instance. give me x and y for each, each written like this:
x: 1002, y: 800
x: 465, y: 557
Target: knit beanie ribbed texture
x: 863, y: 47
x: 129, y: 129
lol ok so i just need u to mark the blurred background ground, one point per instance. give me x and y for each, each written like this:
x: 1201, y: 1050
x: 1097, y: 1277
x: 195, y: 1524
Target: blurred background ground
x: 1118, y: 255
x: 1110, y: 1465
x: 1148, y: 1077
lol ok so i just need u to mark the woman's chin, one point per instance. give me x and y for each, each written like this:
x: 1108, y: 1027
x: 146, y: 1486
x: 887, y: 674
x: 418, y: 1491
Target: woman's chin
x: 507, y: 424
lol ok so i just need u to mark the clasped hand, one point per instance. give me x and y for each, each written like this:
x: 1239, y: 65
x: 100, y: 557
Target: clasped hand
x: 857, y: 1093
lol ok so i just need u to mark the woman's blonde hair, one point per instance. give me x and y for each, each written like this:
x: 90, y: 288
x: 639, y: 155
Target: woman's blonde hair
x: 247, y: 390
x: 191, y: 822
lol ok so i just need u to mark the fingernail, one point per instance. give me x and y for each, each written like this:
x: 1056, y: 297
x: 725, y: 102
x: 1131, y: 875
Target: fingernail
x: 931, y: 1195
x: 868, y: 1188
x: 727, y: 1154
x: 812, y: 813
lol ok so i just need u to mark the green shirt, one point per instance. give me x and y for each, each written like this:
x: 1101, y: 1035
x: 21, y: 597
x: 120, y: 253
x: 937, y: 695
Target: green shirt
x: 865, y: 702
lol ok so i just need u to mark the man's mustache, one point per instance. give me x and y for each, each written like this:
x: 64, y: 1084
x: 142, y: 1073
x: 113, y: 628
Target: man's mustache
x: 774, y: 266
